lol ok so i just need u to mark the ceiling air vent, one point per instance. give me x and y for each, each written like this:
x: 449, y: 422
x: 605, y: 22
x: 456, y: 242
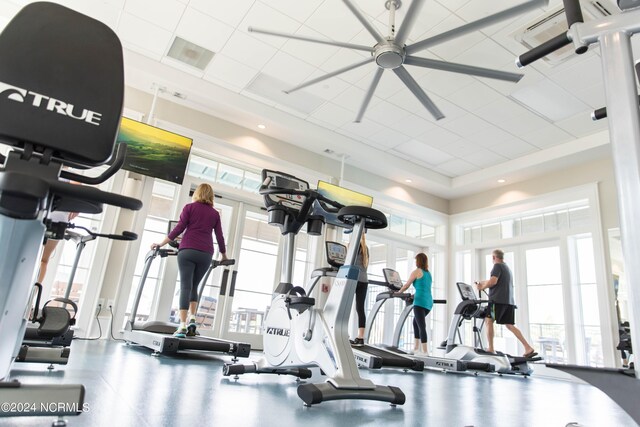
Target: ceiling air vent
x: 554, y: 22
x: 190, y: 53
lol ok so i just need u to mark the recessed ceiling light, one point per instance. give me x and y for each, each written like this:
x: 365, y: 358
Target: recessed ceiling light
x: 502, y: 181
x: 261, y: 126
x: 408, y: 181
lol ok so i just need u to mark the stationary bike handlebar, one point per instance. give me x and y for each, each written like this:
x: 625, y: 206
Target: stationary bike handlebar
x: 125, y: 235
x: 312, y: 195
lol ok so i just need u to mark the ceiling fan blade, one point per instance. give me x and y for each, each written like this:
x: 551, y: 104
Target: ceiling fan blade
x: 354, y: 9
x: 409, y: 21
x: 310, y: 39
x: 463, y: 69
x: 369, y: 95
x: 476, y: 25
x: 418, y: 92
x: 329, y: 75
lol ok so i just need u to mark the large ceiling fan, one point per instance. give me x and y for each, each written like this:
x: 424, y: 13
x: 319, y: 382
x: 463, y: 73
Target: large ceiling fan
x: 391, y: 53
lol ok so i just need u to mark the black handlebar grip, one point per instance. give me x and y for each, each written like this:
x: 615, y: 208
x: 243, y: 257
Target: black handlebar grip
x: 93, y: 195
x: 550, y: 46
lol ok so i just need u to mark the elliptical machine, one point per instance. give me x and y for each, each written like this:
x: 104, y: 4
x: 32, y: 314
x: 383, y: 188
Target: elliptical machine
x: 298, y: 334
x: 472, y: 308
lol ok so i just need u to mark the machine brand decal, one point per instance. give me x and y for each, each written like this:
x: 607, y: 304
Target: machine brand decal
x: 278, y: 331
x: 156, y: 342
x: 48, y: 103
x: 360, y: 358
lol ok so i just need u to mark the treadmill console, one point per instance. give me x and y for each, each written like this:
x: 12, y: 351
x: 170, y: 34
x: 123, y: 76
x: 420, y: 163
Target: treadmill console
x: 336, y: 254
x: 273, y: 180
x: 392, y: 278
x: 466, y: 291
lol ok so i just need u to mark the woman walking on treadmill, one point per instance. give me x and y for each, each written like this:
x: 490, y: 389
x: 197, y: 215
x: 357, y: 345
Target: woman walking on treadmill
x: 422, y: 302
x: 199, y: 219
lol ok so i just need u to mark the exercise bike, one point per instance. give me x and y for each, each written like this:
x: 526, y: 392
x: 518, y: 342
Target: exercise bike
x: 298, y: 332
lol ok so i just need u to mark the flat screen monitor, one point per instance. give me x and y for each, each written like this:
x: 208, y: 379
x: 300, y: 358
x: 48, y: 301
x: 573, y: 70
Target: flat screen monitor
x: 343, y: 195
x: 392, y: 278
x: 154, y: 152
x: 466, y: 291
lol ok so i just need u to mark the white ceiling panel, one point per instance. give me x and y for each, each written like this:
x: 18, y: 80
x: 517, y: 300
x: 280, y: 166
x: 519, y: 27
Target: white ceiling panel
x: 248, y: 50
x: 461, y: 148
x: 345, y: 58
x: 288, y: 69
x: 229, y: 71
x: 221, y: 11
x: 490, y: 137
x: 450, y: 48
x: 546, y: 136
x: 388, y: 138
x: 581, y: 125
x: 298, y: 10
x: 474, y: 96
x: 203, y: 30
x: 466, y: 125
x: 514, y: 148
x: 523, y: 124
x: 163, y: 13
x: 422, y: 152
x: 364, y: 129
x: 312, y: 53
x: 412, y: 125
x: 456, y: 167
x: 386, y: 113
x: 438, y: 138
x: 327, y: 89
x: 334, y: 20
x: 144, y: 35
x: 266, y: 18
x: 333, y: 115
x: 484, y: 158
x: 351, y: 99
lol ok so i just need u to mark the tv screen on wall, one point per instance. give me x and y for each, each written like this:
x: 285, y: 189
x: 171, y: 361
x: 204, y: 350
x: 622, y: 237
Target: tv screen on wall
x: 154, y: 152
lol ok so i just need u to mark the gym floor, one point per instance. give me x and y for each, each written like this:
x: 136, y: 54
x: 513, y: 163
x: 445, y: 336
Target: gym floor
x: 128, y: 387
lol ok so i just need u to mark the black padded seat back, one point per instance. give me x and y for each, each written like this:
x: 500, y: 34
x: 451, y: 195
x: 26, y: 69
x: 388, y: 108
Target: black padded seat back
x: 61, y: 84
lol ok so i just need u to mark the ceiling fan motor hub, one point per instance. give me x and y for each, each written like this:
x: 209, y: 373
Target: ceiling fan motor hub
x: 389, y: 55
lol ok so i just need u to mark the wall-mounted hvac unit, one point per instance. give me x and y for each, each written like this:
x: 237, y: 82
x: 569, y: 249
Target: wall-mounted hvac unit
x: 554, y: 22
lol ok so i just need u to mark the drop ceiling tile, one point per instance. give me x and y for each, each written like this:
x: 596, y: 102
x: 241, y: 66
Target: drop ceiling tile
x: 229, y: 15
x: 266, y: 18
x: 312, y: 53
x: 163, y: 13
x: 335, y: 21
x: 484, y: 159
x: 287, y: 68
x: 489, y: 137
x: 388, y: 85
x: 423, y: 152
x: 546, y: 137
x: 488, y: 54
x: 345, y: 58
x: 233, y: 73
x: 248, y: 50
x: 581, y: 125
x: 461, y: 148
x: 474, y: 96
x: 456, y: 167
x: 332, y: 115
x: 182, y: 66
x: 514, y: 148
x: 524, y: 123
x: 467, y: 125
x: 438, y: 137
x: 352, y: 98
x: 298, y: 10
x: 387, y: 138
x: 453, y: 5
x: 444, y: 83
x: 364, y: 129
x: 386, y: 113
x: 413, y: 125
x: 449, y: 49
x: 500, y: 110
x: 143, y: 35
x: 104, y: 11
x: 326, y: 89
x: 593, y: 96
x: 203, y: 30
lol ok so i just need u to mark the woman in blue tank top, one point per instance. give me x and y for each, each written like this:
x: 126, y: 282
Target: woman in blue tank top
x: 422, y: 302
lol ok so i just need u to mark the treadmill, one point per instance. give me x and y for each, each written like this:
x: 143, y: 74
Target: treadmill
x: 158, y: 335
x: 394, y: 283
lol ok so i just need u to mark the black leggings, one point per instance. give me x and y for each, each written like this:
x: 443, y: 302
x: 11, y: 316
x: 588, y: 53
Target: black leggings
x: 420, y: 323
x: 193, y: 265
x: 361, y: 295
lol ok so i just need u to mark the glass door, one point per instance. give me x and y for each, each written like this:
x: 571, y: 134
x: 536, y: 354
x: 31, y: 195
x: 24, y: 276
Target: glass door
x: 248, y: 294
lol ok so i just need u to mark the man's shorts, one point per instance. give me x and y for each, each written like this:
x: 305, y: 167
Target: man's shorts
x: 503, y: 314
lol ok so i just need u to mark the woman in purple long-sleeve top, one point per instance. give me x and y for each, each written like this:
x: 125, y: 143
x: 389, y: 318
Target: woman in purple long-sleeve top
x: 198, y: 220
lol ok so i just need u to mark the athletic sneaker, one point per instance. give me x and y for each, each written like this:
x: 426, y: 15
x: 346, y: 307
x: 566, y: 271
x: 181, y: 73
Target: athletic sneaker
x: 191, y: 328
x: 358, y: 342
x: 180, y: 333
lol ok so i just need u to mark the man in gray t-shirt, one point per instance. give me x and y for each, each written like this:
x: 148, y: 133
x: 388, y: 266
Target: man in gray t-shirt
x: 501, y: 302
